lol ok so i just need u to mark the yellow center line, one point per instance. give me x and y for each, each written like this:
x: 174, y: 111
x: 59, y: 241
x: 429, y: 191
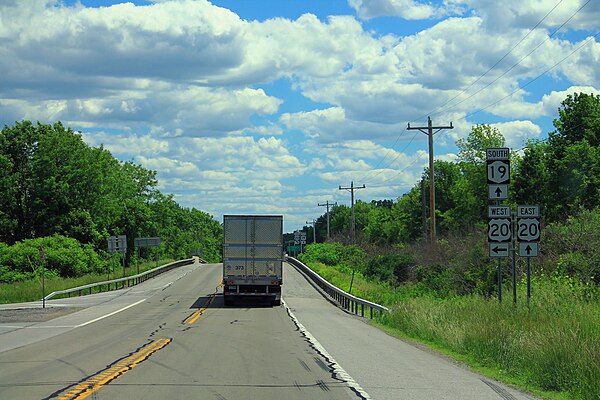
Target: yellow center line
x: 96, y: 382
x: 198, y: 313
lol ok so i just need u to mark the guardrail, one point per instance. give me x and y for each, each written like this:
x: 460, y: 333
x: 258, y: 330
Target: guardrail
x: 345, y: 300
x: 124, y: 282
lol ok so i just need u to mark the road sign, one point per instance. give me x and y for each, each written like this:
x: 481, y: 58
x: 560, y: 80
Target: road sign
x: 528, y: 229
x: 112, y: 244
x: 502, y: 153
x: 498, y: 212
x: 146, y: 242
x: 498, y: 172
x: 499, y: 226
x: 498, y: 166
x: 529, y: 249
x: 499, y: 249
x: 499, y: 230
x: 122, y: 243
x: 497, y: 192
x: 528, y: 211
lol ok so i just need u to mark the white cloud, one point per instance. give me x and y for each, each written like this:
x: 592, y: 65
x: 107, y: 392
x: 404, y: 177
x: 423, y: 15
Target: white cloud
x: 501, y: 15
x: 517, y: 133
x: 407, y: 9
x: 196, y: 92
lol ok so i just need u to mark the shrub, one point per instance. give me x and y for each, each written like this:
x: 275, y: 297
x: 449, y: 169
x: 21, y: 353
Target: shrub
x: 392, y: 268
x: 63, y: 256
x: 326, y: 253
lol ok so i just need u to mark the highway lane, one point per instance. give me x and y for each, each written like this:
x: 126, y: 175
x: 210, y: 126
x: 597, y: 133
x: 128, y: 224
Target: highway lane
x: 174, y: 340
x: 172, y: 337
x: 385, y: 367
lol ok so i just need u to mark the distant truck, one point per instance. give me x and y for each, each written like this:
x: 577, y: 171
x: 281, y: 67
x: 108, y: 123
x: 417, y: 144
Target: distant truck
x: 252, y: 257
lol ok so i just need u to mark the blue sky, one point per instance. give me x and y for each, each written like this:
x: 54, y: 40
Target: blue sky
x: 246, y: 106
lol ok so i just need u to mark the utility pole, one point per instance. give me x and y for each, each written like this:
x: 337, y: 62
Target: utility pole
x: 327, y: 205
x: 423, y: 209
x: 351, y: 189
x: 429, y: 132
x: 314, y: 224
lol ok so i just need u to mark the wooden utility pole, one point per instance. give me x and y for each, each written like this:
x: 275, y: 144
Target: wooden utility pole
x: 327, y: 204
x: 351, y: 189
x: 314, y: 224
x: 423, y: 209
x: 428, y: 130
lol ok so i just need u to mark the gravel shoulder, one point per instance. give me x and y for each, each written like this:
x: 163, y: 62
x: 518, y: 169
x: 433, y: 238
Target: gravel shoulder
x: 15, y: 315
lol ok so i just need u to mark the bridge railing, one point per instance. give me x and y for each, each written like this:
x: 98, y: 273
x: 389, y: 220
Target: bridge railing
x: 122, y: 282
x: 347, y: 301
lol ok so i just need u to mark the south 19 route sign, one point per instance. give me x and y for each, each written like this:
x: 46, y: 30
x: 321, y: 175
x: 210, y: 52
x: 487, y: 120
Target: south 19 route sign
x: 498, y: 172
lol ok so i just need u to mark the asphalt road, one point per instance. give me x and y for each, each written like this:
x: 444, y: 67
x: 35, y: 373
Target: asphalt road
x: 171, y: 337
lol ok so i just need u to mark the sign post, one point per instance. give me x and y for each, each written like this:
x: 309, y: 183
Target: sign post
x: 146, y: 242
x: 117, y: 244
x: 43, y: 277
x: 499, y: 223
x: 499, y: 235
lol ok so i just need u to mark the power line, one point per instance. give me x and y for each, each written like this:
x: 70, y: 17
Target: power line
x: 439, y: 110
x: 436, y: 111
x: 513, y: 92
x: 513, y: 66
x: 534, y: 79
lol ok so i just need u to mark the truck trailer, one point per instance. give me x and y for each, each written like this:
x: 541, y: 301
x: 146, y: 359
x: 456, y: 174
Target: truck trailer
x: 252, y: 257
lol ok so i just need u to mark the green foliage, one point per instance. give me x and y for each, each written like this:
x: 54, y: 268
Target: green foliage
x: 574, y: 156
x: 565, y: 167
x: 65, y: 257
x: 54, y: 185
x: 393, y: 268
x: 326, y: 253
x: 553, y: 347
x: 571, y: 248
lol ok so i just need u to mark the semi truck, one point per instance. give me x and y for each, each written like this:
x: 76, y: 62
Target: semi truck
x: 252, y: 258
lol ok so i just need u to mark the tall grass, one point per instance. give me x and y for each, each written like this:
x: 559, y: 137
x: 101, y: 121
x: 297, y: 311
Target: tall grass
x: 553, y: 346
x: 31, y: 290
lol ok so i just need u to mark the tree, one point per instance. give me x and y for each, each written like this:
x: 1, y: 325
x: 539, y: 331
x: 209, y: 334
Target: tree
x: 579, y: 119
x: 531, y: 178
x: 573, y: 159
x: 471, y: 159
x: 17, y: 145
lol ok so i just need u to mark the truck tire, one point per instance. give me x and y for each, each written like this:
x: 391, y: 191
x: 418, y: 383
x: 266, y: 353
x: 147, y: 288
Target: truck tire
x: 276, y: 303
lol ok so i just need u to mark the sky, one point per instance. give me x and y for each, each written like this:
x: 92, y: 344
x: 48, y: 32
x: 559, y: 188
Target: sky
x: 269, y: 106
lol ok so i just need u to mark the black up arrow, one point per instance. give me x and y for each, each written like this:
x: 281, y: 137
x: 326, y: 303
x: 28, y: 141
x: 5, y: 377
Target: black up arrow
x: 498, y: 192
x: 528, y: 249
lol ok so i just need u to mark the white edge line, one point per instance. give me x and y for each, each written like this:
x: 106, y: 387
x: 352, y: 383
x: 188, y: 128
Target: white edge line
x: 111, y: 314
x: 336, y: 368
